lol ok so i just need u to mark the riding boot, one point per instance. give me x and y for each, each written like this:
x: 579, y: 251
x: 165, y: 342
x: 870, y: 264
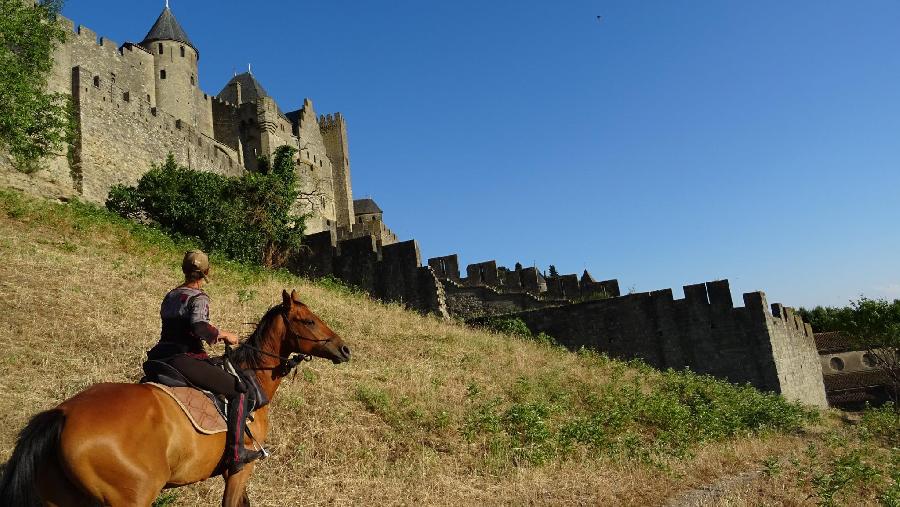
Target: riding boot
x: 236, y: 455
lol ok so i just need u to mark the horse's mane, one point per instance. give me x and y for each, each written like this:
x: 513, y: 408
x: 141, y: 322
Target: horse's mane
x: 248, y: 357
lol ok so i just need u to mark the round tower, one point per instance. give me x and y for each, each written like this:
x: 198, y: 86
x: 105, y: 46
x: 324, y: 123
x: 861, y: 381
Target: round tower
x: 175, y: 64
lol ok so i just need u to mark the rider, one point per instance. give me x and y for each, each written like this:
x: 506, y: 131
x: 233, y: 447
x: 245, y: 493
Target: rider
x: 185, y: 325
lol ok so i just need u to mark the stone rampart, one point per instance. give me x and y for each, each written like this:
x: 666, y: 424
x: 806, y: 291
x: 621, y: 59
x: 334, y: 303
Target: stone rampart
x: 466, y: 302
x: 773, y: 351
x: 489, y: 289
x: 121, y: 136
x: 391, y: 272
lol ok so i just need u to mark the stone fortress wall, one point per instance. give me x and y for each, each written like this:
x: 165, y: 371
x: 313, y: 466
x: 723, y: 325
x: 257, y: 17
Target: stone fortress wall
x: 491, y: 290
x: 771, y: 349
x: 391, y: 273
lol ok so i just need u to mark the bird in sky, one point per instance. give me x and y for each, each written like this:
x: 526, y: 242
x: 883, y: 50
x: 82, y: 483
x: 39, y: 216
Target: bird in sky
x: 599, y: 19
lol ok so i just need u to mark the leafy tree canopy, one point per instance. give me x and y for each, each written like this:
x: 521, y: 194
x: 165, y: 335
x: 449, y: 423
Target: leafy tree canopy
x: 33, y: 122
x: 247, y: 219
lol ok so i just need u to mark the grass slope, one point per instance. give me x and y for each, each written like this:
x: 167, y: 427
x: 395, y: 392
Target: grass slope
x: 427, y: 412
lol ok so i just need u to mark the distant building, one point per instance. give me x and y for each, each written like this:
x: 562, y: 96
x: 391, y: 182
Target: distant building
x: 851, y: 376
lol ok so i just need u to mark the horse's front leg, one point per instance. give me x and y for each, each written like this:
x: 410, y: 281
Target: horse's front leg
x: 236, y: 488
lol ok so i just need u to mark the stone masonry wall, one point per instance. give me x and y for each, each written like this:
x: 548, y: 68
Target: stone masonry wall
x: 121, y: 137
x: 481, y: 301
x: 491, y: 290
x: 121, y: 132
x: 391, y: 273
x: 703, y: 332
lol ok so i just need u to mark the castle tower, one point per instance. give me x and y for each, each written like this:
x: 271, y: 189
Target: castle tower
x: 334, y: 134
x: 175, y: 63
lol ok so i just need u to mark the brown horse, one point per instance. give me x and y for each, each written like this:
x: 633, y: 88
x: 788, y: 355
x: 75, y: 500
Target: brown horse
x: 121, y: 444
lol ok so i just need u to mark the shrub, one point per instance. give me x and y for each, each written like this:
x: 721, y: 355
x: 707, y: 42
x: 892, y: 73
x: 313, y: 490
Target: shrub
x: 247, y: 219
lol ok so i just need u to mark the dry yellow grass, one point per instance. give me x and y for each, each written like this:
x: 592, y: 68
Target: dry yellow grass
x: 79, y: 305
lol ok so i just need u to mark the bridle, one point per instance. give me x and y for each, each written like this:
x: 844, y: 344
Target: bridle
x: 287, y: 364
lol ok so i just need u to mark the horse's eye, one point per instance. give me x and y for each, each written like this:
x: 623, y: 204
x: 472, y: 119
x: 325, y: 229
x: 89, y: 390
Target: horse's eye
x: 308, y: 322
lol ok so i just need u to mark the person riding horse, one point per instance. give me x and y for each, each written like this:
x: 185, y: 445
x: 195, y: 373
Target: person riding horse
x: 185, y: 326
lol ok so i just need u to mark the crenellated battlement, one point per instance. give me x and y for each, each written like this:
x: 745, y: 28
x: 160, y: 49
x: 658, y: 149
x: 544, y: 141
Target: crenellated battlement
x: 528, y: 280
x: 704, y: 331
x: 387, y: 272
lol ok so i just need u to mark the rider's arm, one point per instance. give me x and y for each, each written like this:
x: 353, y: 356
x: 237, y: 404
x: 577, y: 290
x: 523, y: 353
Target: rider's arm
x: 199, y: 318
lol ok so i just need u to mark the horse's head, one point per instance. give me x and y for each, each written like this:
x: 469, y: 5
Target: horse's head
x: 309, y: 334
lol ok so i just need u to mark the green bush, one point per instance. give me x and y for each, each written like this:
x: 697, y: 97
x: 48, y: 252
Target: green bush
x: 515, y: 326
x: 247, y: 219
x: 650, y: 417
x: 882, y: 424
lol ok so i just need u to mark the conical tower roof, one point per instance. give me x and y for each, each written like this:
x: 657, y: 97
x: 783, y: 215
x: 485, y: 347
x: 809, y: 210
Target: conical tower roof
x: 167, y: 28
x: 251, y: 89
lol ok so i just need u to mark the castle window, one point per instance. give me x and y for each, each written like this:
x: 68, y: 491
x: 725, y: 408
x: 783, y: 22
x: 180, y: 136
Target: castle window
x: 162, y: 74
x: 182, y: 51
x: 192, y: 80
x: 97, y: 81
x: 161, y: 48
x: 126, y: 97
x: 148, y: 97
x: 178, y: 124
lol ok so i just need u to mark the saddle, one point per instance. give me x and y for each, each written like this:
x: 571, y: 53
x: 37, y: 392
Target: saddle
x: 205, y: 409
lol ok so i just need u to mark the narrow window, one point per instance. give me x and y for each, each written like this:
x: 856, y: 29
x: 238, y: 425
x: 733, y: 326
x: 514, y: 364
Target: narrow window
x: 148, y: 97
x: 192, y: 80
x: 320, y: 163
x: 178, y: 124
x: 160, y: 48
x: 126, y: 97
x: 97, y: 81
x: 182, y: 51
x: 162, y: 74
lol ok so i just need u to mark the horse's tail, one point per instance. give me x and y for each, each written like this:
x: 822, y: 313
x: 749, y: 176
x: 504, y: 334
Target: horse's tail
x: 36, y: 442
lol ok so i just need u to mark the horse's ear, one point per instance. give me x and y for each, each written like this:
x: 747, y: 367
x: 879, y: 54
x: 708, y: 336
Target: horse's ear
x: 285, y: 299
x: 294, y: 296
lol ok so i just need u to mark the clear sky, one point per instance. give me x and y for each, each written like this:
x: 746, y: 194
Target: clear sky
x: 670, y: 142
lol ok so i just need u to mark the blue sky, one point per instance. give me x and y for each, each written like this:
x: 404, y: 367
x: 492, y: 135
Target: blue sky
x: 671, y: 142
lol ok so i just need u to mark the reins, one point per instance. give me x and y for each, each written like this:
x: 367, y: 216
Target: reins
x: 287, y: 364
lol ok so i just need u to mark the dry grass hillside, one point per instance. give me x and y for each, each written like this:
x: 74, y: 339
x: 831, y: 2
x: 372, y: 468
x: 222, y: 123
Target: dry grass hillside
x: 427, y: 412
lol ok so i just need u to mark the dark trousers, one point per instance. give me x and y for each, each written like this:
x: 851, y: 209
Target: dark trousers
x: 204, y: 375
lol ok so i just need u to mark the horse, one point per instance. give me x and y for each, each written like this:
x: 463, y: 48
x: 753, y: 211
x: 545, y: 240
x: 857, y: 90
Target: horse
x: 122, y: 444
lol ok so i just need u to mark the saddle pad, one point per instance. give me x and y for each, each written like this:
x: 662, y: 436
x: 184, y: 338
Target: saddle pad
x: 198, y: 408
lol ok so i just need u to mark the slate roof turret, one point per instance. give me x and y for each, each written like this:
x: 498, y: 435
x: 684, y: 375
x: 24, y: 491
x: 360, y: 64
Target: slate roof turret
x: 167, y: 28
x: 251, y: 89
x: 365, y: 207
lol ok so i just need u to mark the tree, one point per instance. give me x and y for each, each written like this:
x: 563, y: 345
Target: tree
x: 248, y: 219
x: 553, y: 272
x: 824, y: 319
x: 33, y: 122
x: 874, y: 326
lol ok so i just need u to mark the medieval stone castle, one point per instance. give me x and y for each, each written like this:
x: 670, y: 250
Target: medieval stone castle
x: 136, y: 103
x: 140, y: 101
